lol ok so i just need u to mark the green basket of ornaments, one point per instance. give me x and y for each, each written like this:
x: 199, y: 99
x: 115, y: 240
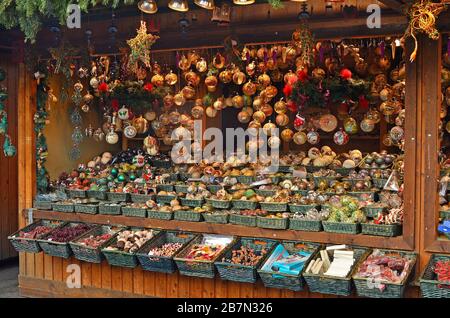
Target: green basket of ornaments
x: 302, y: 208
x: 135, y: 210
x: 241, y: 219
x: 96, y: 194
x: 162, y: 249
x: 382, y: 288
x: 431, y: 285
x: 341, y: 227
x: 63, y: 206
x: 88, y: 247
x: 110, y: 208
x: 276, y: 222
x: 42, y: 205
x: 165, y: 199
x: 76, y: 194
x: 188, y: 215
x: 305, y: 225
x: 240, y: 263
x: 181, y: 188
x: 213, y: 188
x: 219, y: 204
x: 379, y: 182
x: 244, y: 204
x: 245, y: 179
x: 321, y: 180
x: 90, y: 207
x: 362, y: 195
x: 388, y: 230
x: 194, y: 203
x: 291, y: 280
x: 203, y: 267
x: 118, y: 196
x: 265, y: 192
x: 56, y: 243
x: 344, y: 172
x: 160, y: 214
x: 167, y: 187
x: 274, y: 206
x: 301, y: 192
x: 26, y: 239
x: 219, y: 217
x: 373, y: 210
x: 141, y: 198
x: 121, y: 250
x: 320, y: 280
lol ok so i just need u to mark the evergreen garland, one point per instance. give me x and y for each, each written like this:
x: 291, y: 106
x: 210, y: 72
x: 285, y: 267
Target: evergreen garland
x: 8, y: 148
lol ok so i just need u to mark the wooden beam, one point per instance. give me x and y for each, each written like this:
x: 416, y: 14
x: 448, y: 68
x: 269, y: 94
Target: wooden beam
x: 230, y: 229
x: 394, y: 5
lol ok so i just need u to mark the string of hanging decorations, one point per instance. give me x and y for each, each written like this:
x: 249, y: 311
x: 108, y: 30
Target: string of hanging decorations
x: 8, y: 148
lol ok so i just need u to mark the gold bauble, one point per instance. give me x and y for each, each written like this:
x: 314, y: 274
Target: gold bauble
x: 299, y: 138
x: 179, y: 99
x: 169, y: 100
x: 287, y: 135
x: 141, y: 125
x: 238, y: 101
x: 259, y: 116
x: 280, y: 107
x: 211, y: 83
x: 239, y: 78
x: 257, y: 102
x: 192, y: 78
x: 268, y: 128
x: 226, y: 76
x: 243, y: 117
x: 188, y: 92
x: 263, y: 80
x: 219, y: 104
x: 267, y: 110
x: 253, y: 127
x: 271, y: 91
x: 201, y: 65
x: 249, y: 88
x: 157, y: 80
x: 211, y: 112
x: 290, y: 77
x: 282, y: 120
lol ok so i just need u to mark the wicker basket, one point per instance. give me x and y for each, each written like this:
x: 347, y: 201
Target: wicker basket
x: 161, y: 215
x: 30, y: 245
x: 165, y: 187
x: 118, y: 196
x: 389, y: 230
x: 216, y: 217
x: 164, y: 199
x: 135, y: 212
x: 244, y: 204
x: 339, y: 227
x: 42, y: 205
x: 141, y: 198
x: 245, y: 179
x: 244, y: 273
x: 341, y: 286
x: 302, y: 208
x: 189, y: 216
x: 181, y: 188
x: 86, y: 208
x: 76, y: 193
x: 429, y: 285
x: 246, y: 220
x: 379, y: 183
x: 199, y: 268
x: 110, y: 209
x: 89, y: 254
x: 272, y: 223
x: 121, y: 258
x: 63, y: 207
x: 305, y: 225
x: 265, y: 192
x: 373, y: 211
x: 96, y: 194
x: 367, y: 287
x: 274, y: 206
x: 162, y: 264
x: 445, y: 214
x: 274, y: 279
x: 194, y: 203
x: 58, y: 249
x: 219, y: 204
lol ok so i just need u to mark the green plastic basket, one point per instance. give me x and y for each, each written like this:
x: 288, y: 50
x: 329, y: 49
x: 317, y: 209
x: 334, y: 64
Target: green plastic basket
x: 30, y: 245
x: 164, y: 199
x: 302, y: 208
x: 244, y: 273
x: 341, y: 286
x: 121, y: 258
x: 272, y: 223
x: 134, y: 212
x: 274, y: 206
x: 244, y: 204
x: 59, y: 249
x: 162, y: 264
x: 110, y: 209
x: 362, y: 195
x: 328, y: 180
x: 373, y: 211
x: 63, y: 207
x: 272, y: 279
x: 42, y: 205
x: 285, y: 169
x: 339, y: 227
x: 86, y: 208
x: 189, y: 216
x: 197, y: 268
x: 305, y: 225
x: 301, y: 192
x: 389, y: 230
x: 429, y: 285
x: 141, y: 198
x: 213, y: 188
x: 216, y: 217
x: 245, y: 220
x: 181, y: 188
x: 367, y: 287
x: 95, y: 194
x: 76, y: 193
x: 379, y: 183
x: 219, y: 204
x: 343, y: 171
x: 194, y: 203
x: 265, y: 192
x: 165, y: 187
x: 161, y: 215
x: 118, y: 196
x: 89, y: 254
x: 245, y: 179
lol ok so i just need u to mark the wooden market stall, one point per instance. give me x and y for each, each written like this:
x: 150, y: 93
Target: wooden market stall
x: 44, y: 275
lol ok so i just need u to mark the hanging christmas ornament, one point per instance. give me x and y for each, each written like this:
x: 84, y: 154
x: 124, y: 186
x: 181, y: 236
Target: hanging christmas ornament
x: 274, y: 142
x: 267, y: 110
x: 219, y: 104
x: 211, y: 112
x: 269, y: 128
x: 259, y: 116
x: 211, y: 83
x: 350, y: 126
x: 197, y: 112
x: 201, y: 65
x: 171, y: 78
x: 192, y: 78
x: 251, y: 68
x: 287, y: 135
x: 188, y: 92
x: 99, y: 135
x: 253, y: 127
x: 239, y: 77
x: 328, y: 122
x: 313, y: 137
x: 280, y: 107
x: 123, y: 113
x: 397, y: 134
x: 282, y: 119
x: 299, y: 138
x: 85, y: 108
x: 130, y: 131
x: 243, y: 117
x: 238, y: 101
x: 340, y: 137
x: 141, y: 125
x: 249, y: 88
x: 112, y: 137
x: 179, y: 99
x: 299, y: 122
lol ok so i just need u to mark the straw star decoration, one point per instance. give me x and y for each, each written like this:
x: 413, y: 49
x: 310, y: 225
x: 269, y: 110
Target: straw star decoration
x: 140, y: 46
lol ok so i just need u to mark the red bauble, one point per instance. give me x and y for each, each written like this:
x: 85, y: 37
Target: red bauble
x: 287, y: 90
x: 346, y: 73
x: 148, y: 87
x: 302, y: 75
x: 363, y: 102
x: 292, y: 106
x: 103, y: 87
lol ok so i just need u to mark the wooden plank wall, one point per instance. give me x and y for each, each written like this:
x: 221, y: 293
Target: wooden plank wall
x: 8, y: 166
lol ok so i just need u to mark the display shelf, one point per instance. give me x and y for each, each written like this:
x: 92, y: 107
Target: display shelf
x: 229, y: 229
